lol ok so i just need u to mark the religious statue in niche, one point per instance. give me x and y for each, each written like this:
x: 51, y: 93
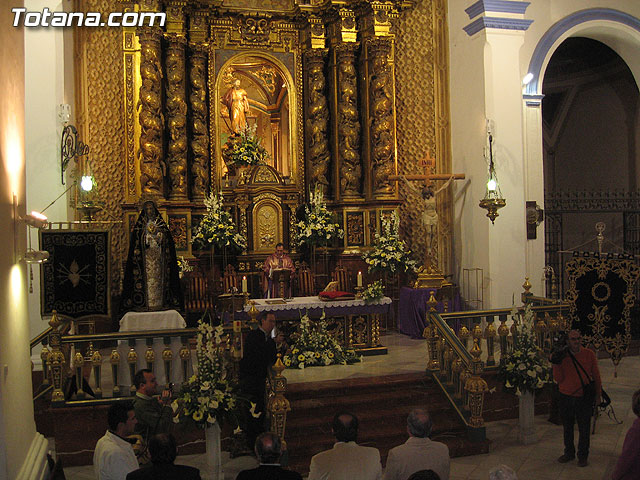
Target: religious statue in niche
x: 237, y: 102
x: 151, y: 276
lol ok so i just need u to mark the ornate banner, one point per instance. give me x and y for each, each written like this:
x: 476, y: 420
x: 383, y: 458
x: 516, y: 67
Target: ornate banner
x: 600, y: 297
x: 75, y: 280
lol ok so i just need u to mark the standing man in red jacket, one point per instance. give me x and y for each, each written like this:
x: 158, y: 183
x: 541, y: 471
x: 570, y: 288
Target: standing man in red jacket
x: 574, y: 369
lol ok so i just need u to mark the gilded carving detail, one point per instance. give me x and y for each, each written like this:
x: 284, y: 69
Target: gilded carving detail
x: 381, y: 112
x: 151, y: 118
x: 267, y: 231
x: 264, y: 175
x: 348, y: 123
x: 255, y: 30
x: 355, y: 229
x: 317, y: 119
x: 176, y: 108
x: 100, y: 101
x: 199, y: 126
x: 178, y: 228
x: 421, y: 43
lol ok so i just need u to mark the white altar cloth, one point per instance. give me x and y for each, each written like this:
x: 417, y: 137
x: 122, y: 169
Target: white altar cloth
x: 143, y: 321
x: 308, y: 303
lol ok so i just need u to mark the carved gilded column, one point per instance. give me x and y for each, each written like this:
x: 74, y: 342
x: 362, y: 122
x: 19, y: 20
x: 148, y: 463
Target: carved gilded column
x: 198, y: 103
x: 317, y: 135
x: 150, y: 111
x: 348, y: 124
x: 382, y: 129
x: 176, y: 108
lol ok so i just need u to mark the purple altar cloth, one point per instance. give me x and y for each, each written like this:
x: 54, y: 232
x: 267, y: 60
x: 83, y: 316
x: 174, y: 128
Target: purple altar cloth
x: 412, y: 309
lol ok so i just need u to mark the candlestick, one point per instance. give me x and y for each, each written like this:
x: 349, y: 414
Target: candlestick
x: 244, y: 284
x: 359, y: 279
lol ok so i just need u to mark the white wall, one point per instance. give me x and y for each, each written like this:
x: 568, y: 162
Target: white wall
x: 485, y: 72
x: 48, y: 83
x: 21, y: 447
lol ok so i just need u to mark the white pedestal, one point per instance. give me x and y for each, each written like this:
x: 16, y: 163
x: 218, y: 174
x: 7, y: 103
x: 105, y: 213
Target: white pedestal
x: 527, y: 433
x: 214, y: 453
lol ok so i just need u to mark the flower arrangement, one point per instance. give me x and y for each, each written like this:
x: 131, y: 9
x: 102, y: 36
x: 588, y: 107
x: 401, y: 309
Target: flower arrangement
x: 314, y: 347
x: 245, y: 148
x: 374, y: 291
x: 209, y: 396
x: 318, y: 226
x: 525, y: 368
x: 184, y: 266
x: 389, y: 253
x: 217, y: 227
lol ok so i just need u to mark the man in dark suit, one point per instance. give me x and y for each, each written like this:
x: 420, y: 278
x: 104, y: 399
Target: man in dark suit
x: 162, y: 448
x: 259, y: 354
x: 268, y: 450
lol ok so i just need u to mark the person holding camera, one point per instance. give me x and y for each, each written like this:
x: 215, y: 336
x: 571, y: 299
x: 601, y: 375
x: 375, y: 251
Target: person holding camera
x: 153, y: 412
x: 575, y: 370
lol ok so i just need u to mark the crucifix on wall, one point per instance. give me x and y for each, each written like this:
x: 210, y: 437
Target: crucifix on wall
x: 429, y: 275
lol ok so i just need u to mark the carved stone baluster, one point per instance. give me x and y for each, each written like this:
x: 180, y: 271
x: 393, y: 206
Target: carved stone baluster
x: 503, y: 332
x: 114, y: 359
x: 381, y: 111
x: 167, y: 358
x: 57, y: 361
x: 463, y: 335
x: 176, y: 108
x: 490, y: 335
x: 132, y: 360
x: 78, y: 363
x: 317, y: 115
x: 44, y: 357
x: 476, y: 331
x: 349, y: 161
x: 150, y: 108
x: 541, y: 330
x: 278, y: 405
x: 149, y: 354
x: 476, y: 387
x: 96, y: 362
x: 185, y: 356
x: 431, y: 334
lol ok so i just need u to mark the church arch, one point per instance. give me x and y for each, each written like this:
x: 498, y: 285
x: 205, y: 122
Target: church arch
x: 618, y: 30
x: 615, y: 29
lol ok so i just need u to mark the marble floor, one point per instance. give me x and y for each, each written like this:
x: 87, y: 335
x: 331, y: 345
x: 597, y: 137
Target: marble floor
x: 531, y: 462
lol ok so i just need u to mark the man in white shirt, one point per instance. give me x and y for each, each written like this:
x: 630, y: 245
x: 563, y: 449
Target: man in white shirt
x: 114, y: 458
x: 346, y: 460
x: 419, y: 452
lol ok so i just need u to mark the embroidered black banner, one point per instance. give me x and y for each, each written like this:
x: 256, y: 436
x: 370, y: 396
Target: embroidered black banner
x: 600, y: 297
x: 75, y: 280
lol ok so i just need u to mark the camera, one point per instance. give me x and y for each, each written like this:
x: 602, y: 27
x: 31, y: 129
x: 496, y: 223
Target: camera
x: 560, y: 349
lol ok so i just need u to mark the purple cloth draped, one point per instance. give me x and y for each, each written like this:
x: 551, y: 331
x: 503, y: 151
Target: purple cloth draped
x: 412, y: 309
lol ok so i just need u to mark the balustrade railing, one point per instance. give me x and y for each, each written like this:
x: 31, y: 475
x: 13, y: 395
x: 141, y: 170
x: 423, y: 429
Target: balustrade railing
x: 464, y: 345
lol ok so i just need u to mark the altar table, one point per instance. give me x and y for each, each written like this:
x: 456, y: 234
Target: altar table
x: 353, y: 323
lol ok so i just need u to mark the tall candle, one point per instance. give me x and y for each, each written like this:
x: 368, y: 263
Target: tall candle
x: 244, y: 284
x: 359, y: 279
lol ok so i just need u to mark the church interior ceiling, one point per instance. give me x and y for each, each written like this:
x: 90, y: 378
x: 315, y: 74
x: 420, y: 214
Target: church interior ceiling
x: 147, y: 104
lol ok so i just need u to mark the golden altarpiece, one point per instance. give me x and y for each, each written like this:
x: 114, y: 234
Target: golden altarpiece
x: 320, y: 80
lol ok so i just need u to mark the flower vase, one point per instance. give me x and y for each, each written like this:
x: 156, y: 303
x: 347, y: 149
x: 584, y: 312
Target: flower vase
x: 527, y: 434
x: 214, y: 458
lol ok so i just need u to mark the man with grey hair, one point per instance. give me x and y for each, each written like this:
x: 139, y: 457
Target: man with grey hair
x: 419, y: 452
x: 502, y: 472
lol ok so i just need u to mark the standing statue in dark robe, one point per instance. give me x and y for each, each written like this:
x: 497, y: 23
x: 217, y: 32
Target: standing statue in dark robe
x: 151, y: 276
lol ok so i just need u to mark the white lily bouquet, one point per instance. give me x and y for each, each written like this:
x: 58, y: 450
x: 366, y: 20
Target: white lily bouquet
x: 389, y: 253
x: 209, y: 395
x: 217, y: 227
x: 318, y: 227
x: 525, y: 368
x: 315, y: 347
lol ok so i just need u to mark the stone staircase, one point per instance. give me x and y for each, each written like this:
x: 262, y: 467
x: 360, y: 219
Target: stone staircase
x: 381, y: 405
